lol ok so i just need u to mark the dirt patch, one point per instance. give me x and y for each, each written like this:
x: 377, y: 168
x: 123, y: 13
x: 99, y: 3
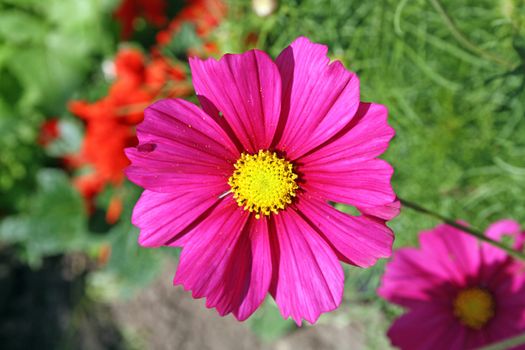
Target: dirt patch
x: 166, y: 317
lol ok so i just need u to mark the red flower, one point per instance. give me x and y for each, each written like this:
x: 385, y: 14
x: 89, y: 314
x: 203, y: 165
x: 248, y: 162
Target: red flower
x: 48, y: 132
x: 110, y: 122
x: 114, y: 210
x: 129, y: 66
x: 166, y: 79
x: 88, y: 186
x: 130, y: 10
x: 205, y: 15
x: 104, y: 254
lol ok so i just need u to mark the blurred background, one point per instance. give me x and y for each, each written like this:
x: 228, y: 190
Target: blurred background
x: 75, y: 76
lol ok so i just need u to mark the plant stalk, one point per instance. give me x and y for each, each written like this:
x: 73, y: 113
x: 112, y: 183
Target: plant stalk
x: 470, y: 230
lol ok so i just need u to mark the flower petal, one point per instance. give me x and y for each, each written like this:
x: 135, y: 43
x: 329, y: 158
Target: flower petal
x: 447, y: 261
x: 227, y: 260
x: 451, y: 252
x: 364, y: 184
x: 261, y: 268
x: 412, y: 280
x: 162, y: 216
x: 496, y: 260
x: 364, y: 138
x: 476, y: 340
x: 181, y: 148
x: 506, y: 227
x: 509, y: 319
x: 357, y: 239
x: 427, y: 328
x: 384, y: 212
x: 503, y: 227
x: 246, y: 88
x: 309, y: 278
x: 319, y: 98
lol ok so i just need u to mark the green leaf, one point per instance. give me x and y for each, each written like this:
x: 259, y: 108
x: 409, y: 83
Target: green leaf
x: 50, y: 49
x: 18, y: 27
x: 69, y: 140
x: 130, y: 266
x: 54, y: 221
x: 185, y: 39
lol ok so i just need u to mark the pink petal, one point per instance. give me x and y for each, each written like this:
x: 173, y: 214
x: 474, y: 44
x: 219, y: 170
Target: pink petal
x: 211, y: 110
x: 227, y: 260
x: 455, y: 254
x: 506, y: 227
x: 319, y: 98
x: 447, y: 260
x: 181, y: 148
x: 428, y: 328
x: 476, y: 339
x: 494, y: 258
x: 163, y: 216
x: 412, y: 280
x: 246, y: 88
x: 364, y: 138
x: 357, y: 239
x: 261, y: 269
x: 509, y: 316
x: 506, y: 280
x: 385, y: 212
x: 503, y: 227
x: 507, y: 323
x: 309, y: 279
x: 363, y: 184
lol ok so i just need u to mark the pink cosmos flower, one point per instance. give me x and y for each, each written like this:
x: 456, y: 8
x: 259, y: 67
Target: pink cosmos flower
x: 460, y: 294
x: 243, y: 184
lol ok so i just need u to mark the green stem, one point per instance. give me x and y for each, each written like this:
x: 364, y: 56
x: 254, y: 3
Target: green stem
x: 506, y: 344
x: 463, y: 40
x: 470, y: 230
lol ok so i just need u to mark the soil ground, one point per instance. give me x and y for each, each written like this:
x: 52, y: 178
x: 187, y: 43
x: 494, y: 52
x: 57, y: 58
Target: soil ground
x: 166, y: 317
x: 47, y: 309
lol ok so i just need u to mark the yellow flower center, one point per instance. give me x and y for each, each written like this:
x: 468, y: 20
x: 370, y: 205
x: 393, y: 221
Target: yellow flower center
x: 474, y: 307
x: 263, y: 183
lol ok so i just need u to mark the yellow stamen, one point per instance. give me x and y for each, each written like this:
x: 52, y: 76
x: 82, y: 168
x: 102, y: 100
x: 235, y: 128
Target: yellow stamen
x: 263, y: 183
x: 474, y: 307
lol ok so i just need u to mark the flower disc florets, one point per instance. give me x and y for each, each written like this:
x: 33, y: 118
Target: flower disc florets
x: 263, y: 183
x: 474, y: 307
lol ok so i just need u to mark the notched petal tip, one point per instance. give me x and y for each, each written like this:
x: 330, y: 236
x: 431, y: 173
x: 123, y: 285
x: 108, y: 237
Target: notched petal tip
x: 319, y: 97
x: 246, y: 88
x: 305, y: 41
x: 310, y: 278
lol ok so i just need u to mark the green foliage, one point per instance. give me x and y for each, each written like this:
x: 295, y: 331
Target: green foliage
x: 130, y: 266
x: 268, y: 322
x: 47, y: 49
x: 54, y: 222
x: 69, y: 142
x: 19, y: 158
x: 185, y: 39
